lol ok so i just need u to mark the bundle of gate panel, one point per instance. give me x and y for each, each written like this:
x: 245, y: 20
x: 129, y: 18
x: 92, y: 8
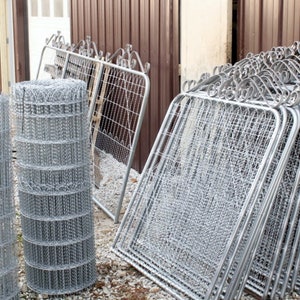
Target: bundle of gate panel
x: 216, y: 207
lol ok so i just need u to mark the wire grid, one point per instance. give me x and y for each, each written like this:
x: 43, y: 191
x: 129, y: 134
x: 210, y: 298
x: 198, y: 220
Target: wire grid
x: 270, y: 226
x: 116, y: 130
x: 293, y: 281
x: 261, y: 278
x: 8, y: 255
x: 272, y: 265
x: 210, y: 172
x: 117, y: 101
x: 286, y: 262
x: 272, y: 78
x: 269, y: 89
x: 274, y: 82
x: 54, y: 184
x: 289, y: 263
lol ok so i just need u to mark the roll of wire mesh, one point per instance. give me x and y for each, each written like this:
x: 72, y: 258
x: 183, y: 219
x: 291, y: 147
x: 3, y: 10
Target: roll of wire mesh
x: 8, y: 256
x: 54, y: 185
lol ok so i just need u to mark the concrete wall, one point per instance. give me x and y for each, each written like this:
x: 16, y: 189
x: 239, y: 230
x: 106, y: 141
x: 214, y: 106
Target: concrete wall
x: 206, y: 27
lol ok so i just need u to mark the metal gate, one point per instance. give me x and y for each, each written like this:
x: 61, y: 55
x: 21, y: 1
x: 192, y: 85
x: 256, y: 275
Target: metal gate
x: 220, y: 185
x: 152, y: 28
x: 117, y: 95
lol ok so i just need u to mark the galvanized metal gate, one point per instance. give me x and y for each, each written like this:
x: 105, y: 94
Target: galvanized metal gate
x: 117, y: 95
x: 221, y: 185
x: 152, y: 28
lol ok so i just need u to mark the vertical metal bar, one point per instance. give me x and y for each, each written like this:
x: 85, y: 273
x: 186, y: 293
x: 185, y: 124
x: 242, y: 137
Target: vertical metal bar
x: 95, y: 94
x: 63, y: 73
x: 133, y: 147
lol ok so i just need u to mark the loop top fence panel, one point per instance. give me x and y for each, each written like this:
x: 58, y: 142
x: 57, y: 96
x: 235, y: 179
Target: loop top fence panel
x: 214, y: 170
x: 117, y: 96
x: 217, y: 206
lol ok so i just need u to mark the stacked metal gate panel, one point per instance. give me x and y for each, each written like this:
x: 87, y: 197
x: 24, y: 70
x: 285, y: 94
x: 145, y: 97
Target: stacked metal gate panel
x: 8, y: 255
x: 189, y: 245
x: 276, y: 70
x: 197, y: 184
x: 117, y: 96
x: 54, y: 184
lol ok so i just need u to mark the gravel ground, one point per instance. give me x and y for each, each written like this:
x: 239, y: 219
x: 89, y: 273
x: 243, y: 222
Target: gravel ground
x: 116, y: 280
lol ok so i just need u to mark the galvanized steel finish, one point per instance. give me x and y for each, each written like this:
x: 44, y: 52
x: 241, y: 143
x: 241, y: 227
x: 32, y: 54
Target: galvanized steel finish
x: 54, y: 184
x: 118, y: 89
x: 8, y: 253
x: 216, y: 209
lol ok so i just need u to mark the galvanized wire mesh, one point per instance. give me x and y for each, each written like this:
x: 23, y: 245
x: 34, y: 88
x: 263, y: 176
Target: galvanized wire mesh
x: 177, y: 222
x: 270, y: 227
x: 195, y: 190
x: 117, y: 96
x: 54, y: 184
x: 272, y: 265
x: 115, y: 132
x: 8, y: 255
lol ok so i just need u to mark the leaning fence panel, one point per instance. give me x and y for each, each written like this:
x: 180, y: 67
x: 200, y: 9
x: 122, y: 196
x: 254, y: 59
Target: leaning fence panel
x: 208, y: 156
x: 117, y: 95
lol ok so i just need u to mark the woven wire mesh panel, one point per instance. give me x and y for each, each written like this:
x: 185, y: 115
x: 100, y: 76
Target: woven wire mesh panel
x: 8, y: 253
x: 115, y: 131
x: 269, y: 229
x: 266, y: 266
x: 54, y: 184
x: 117, y: 97
x: 270, y: 78
x: 288, y: 261
x: 194, y: 192
x: 270, y: 272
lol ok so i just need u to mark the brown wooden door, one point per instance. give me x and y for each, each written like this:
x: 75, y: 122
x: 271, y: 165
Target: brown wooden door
x: 152, y: 27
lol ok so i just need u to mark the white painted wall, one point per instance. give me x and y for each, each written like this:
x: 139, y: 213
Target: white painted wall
x: 41, y: 27
x: 206, y: 27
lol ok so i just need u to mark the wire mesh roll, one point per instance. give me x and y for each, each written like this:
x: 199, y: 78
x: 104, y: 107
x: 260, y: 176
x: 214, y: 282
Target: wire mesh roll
x: 8, y: 256
x: 54, y: 185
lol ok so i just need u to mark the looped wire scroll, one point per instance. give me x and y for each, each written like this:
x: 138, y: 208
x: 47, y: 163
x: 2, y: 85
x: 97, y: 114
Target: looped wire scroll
x: 193, y: 84
x: 128, y: 58
x: 58, y: 41
x: 125, y: 57
x: 263, y: 87
x: 270, y: 77
x: 87, y: 48
x: 288, y: 70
